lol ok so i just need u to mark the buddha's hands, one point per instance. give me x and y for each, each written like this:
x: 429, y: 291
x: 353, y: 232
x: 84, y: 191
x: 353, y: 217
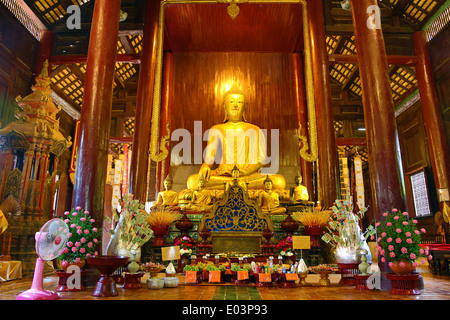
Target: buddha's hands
x: 204, y: 172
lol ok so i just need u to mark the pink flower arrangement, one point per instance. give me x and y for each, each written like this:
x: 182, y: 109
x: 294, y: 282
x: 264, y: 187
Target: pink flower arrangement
x: 82, y: 236
x: 285, y: 246
x: 187, y: 246
x: 400, y: 238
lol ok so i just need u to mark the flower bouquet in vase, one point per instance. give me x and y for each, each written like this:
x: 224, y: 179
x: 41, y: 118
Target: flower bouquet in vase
x: 160, y: 220
x: 187, y: 249
x: 284, y: 248
x: 82, y: 238
x: 398, y: 242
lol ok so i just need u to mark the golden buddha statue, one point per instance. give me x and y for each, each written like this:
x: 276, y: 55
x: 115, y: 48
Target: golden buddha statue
x: 235, y: 173
x: 300, y: 192
x: 167, y: 197
x: 269, y: 200
x: 201, y: 198
x: 239, y: 144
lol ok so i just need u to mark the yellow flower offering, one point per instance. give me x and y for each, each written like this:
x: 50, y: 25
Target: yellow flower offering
x: 162, y: 217
x: 312, y: 217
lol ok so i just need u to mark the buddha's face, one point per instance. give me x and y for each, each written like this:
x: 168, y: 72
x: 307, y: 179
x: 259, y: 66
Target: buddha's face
x: 234, y: 106
x: 168, y: 185
x: 201, y: 183
x: 298, y: 181
x: 268, y: 185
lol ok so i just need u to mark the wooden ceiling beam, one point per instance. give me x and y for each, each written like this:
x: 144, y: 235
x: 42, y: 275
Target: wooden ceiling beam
x: 347, y: 29
x: 340, y: 44
x: 81, y: 58
x: 353, y: 59
x: 126, y: 44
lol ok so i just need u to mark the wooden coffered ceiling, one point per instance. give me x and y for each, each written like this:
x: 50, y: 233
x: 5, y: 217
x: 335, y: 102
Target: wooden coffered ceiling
x: 195, y: 27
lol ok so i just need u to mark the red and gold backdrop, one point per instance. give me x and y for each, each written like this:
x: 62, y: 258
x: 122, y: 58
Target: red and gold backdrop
x: 201, y: 79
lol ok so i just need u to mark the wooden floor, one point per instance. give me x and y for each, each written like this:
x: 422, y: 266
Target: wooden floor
x: 435, y: 288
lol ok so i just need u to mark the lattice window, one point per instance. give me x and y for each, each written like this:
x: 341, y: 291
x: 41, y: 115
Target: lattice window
x: 129, y: 125
x: 402, y: 81
x: 120, y: 48
x: 338, y: 125
x: 69, y: 84
x: 136, y: 42
x: 418, y: 10
x: 355, y: 87
x: 341, y: 72
x: 332, y: 42
x: 52, y: 10
x: 125, y: 70
x: 349, y: 46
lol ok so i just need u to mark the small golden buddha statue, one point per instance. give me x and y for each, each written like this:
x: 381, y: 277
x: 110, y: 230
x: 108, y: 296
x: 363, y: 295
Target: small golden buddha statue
x: 300, y: 192
x: 269, y: 200
x: 167, y: 197
x: 235, y: 173
x: 240, y: 144
x: 201, y: 198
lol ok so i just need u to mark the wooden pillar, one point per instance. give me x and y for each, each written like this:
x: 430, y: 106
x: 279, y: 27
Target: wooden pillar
x: 163, y: 167
x: 94, y: 127
x: 378, y: 111
x: 139, y: 166
x: 379, y: 118
x: 46, y: 43
x: 327, y: 161
x: 302, y: 117
x: 432, y: 116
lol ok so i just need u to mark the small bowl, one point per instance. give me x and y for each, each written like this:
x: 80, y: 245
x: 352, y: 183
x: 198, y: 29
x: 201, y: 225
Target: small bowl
x: 154, y: 283
x: 171, y: 282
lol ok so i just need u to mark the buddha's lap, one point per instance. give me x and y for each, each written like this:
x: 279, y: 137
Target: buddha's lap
x: 255, y: 181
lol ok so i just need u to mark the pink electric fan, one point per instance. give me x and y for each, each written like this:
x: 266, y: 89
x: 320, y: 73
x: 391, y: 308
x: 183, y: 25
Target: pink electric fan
x: 50, y: 241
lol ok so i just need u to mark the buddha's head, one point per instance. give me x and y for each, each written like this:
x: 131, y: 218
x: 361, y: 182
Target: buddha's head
x: 268, y: 184
x: 234, y: 105
x: 235, y: 172
x: 298, y: 180
x: 168, y: 183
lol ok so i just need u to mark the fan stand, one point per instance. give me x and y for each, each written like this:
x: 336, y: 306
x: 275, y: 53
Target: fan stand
x: 37, y: 291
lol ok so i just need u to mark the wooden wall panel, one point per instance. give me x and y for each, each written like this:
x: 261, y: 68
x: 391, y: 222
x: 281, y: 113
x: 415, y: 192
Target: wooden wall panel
x: 440, y: 58
x: 415, y: 153
x: 201, y: 79
x: 17, y: 53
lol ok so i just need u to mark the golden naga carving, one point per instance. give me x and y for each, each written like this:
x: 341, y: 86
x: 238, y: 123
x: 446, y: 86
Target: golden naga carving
x: 160, y: 155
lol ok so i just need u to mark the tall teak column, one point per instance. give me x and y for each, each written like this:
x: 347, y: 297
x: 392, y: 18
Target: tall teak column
x: 327, y: 161
x: 432, y: 116
x: 92, y: 156
x: 378, y: 111
x: 141, y: 140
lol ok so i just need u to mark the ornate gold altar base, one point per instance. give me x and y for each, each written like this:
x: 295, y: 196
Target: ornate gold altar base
x: 242, y: 242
